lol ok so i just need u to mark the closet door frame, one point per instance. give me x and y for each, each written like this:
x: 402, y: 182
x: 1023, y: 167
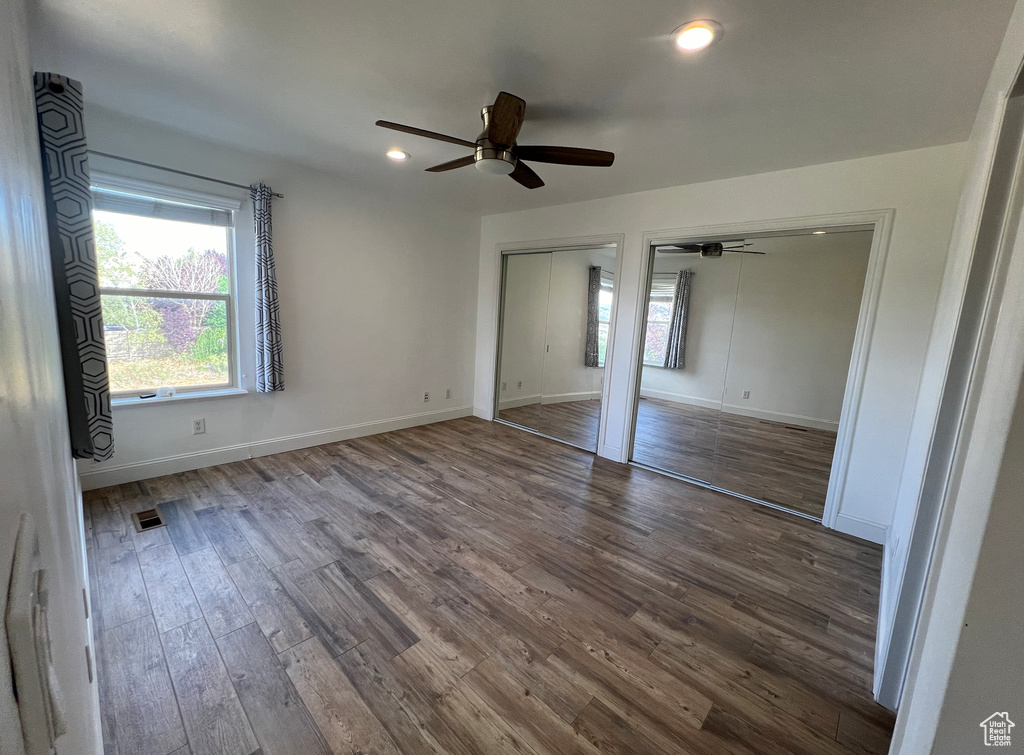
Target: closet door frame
x: 881, y: 222
x: 575, y: 244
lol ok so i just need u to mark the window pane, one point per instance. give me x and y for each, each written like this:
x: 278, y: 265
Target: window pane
x: 656, y: 343
x: 604, y: 305
x: 602, y: 342
x: 169, y: 255
x: 154, y: 342
x: 659, y: 309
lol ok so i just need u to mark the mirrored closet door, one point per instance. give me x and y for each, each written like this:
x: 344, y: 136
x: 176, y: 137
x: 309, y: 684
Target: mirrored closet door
x: 745, y: 360
x: 555, y: 313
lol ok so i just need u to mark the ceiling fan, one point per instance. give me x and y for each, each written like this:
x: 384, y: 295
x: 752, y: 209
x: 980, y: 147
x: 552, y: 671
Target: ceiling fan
x: 709, y: 248
x: 495, y: 150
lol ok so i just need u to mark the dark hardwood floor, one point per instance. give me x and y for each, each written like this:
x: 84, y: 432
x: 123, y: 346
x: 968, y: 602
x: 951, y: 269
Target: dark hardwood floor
x: 771, y: 461
x: 575, y: 422
x: 468, y: 588
x: 678, y: 437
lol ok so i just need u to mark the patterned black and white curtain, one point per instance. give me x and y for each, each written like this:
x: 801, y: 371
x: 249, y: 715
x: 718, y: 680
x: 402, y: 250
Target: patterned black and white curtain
x: 269, y: 367
x: 73, y: 259
x: 675, y: 354
x: 591, y: 355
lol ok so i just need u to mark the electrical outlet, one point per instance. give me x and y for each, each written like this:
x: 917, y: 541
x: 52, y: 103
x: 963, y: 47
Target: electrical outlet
x: 520, y: 386
x: 447, y: 393
x: 426, y: 396
x: 199, y: 426
x: 746, y: 394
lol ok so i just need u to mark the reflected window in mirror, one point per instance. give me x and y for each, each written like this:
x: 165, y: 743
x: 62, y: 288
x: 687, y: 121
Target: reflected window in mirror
x: 604, y: 315
x: 659, y: 319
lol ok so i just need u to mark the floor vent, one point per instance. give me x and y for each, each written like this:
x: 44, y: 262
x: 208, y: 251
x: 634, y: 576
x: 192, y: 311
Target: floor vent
x: 147, y: 520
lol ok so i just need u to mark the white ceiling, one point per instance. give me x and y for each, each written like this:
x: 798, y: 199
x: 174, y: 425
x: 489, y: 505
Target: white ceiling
x: 791, y: 83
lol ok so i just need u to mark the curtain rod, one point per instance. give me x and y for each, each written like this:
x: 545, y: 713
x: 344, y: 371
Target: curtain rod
x: 172, y: 170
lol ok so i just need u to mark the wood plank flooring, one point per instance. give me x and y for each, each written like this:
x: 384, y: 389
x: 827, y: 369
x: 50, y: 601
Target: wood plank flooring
x: 468, y: 588
x: 574, y: 422
x: 770, y: 461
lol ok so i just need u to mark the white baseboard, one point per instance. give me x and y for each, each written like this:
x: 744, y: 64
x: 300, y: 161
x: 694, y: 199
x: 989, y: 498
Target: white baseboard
x: 143, y: 470
x: 679, y: 398
x: 561, y: 398
x: 862, y: 528
x: 512, y: 403
x: 787, y: 419
x: 554, y: 398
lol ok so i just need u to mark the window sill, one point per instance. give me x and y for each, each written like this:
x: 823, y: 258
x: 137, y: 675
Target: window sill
x: 126, y: 401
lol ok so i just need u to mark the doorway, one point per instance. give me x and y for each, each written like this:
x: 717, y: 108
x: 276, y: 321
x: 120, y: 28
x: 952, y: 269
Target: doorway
x: 745, y: 357
x: 555, y: 316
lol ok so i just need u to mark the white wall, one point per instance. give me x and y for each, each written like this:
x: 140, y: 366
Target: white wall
x: 796, y: 317
x: 524, y: 328
x: 36, y: 469
x: 921, y: 185
x: 988, y: 670
x: 377, y: 306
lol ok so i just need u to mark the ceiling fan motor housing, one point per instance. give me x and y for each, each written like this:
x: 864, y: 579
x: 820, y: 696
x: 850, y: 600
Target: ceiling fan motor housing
x: 490, y: 157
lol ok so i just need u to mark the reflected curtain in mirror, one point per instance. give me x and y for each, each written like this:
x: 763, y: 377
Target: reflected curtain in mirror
x: 592, y: 355
x: 675, y: 354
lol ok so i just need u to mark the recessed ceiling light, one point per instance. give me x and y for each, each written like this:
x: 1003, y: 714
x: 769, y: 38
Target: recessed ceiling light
x: 397, y: 155
x: 818, y: 233
x: 697, y: 35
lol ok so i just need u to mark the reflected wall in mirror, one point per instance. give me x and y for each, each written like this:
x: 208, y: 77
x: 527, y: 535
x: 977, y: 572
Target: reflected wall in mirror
x: 556, y: 308
x: 745, y: 363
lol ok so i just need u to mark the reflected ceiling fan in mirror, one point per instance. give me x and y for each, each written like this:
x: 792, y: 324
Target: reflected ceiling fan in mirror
x: 495, y: 151
x: 710, y: 248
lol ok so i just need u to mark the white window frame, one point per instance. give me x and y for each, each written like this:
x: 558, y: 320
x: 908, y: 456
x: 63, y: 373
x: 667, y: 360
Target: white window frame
x: 652, y: 298
x: 159, y: 192
x: 607, y: 284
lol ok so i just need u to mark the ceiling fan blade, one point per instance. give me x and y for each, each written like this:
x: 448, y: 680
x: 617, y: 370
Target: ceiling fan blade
x: 424, y: 133
x: 566, y: 156
x: 462, y: 162
x: 743, y: 251
x: 506, y: 119
x: 524, y: 175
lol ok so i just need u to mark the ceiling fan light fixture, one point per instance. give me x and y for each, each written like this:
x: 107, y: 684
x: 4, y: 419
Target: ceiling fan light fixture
x: 495, y: 166
x: 697, y: 35
x: 494, y: 160
x: 818, y: 233
x: 397, y: 155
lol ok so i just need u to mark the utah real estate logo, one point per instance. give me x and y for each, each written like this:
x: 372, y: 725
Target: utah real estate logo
x: 997, y: 730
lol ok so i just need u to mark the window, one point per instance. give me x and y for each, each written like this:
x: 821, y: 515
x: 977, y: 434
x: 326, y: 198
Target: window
x: 604, y: 315
x: 659, y: 317
x: 166, y: 285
